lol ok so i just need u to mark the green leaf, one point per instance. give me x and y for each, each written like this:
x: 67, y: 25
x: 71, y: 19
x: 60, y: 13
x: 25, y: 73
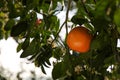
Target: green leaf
x: 96, y: 44
x: 30, y: 50
x: 45, y: 64
x: 19, y: 47
x: 80, y: 78
x: 54, y: 23
x: 110, y: 60
x: 43, y: 70
x: 9, y: 25
x: 1, y: 34
x: 117, y: 17
x: 118, y: 29
x: 45, y: 7
x: 48, y: 62
x: 10, y: 5
x: 77, y: 19
x: 24, y: 2
x: 47, y: 21
x: 59, y: 70
x: 31, y: 4
x: 1, y: 3
x: 54, y: 4
x: 13, y: 12
x: 42, y: 56
x: 101, y: 7
x: 19, y: 28
x: 90, y: 26
x: 1, y: 24
x: 57, y: 53
x: 26, y: 43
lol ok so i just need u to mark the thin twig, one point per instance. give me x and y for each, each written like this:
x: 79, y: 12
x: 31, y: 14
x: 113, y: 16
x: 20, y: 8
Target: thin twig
x: 67, y: 14
x: 58, y: 32
x: 64, y: 23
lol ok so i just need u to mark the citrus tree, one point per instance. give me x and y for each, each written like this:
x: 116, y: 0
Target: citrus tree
x: 87, y: 51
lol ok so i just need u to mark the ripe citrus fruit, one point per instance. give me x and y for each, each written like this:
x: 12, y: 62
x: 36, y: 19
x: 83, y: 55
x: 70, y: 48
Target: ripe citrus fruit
x: 79, y: 39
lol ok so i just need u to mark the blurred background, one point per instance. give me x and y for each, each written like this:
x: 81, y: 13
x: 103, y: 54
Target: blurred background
x: 12, y: 67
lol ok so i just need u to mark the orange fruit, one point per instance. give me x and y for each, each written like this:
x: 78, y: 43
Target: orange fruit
x: 79, y: 39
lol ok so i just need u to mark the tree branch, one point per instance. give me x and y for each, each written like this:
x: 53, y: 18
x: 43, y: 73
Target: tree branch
x: 67, y: 14
x: 58, y: 32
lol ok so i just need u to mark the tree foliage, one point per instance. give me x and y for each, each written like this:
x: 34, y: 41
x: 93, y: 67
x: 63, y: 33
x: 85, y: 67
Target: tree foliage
x: 41, y: 42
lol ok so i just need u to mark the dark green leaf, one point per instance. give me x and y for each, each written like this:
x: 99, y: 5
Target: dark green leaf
x: 31, y: 4
x: 43, y: 70
x: 30, y: 50
x: 1, y: 24
x: 45, y: 7
x: 59, y: 70
x: 10, y: 5
x: 2, y: 3
x: 54, y: 23
x: 1, y: 34
x: 110, y: 60
x: 76, y: 0
x: 101, y: 7
x: 45, y: 64
x: 57, y: 53
x: 54, y: 4
x: 24, y: 2
x: 9, y: 25
x: 48, y: 62
x: 7, y: 33
x: 19, y: 28
x: 25, y: 43
x: 14, y: 14
x: 78, y: 20
x: 96, y: 44
x: 19, y: 47
x: 117, y: 17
